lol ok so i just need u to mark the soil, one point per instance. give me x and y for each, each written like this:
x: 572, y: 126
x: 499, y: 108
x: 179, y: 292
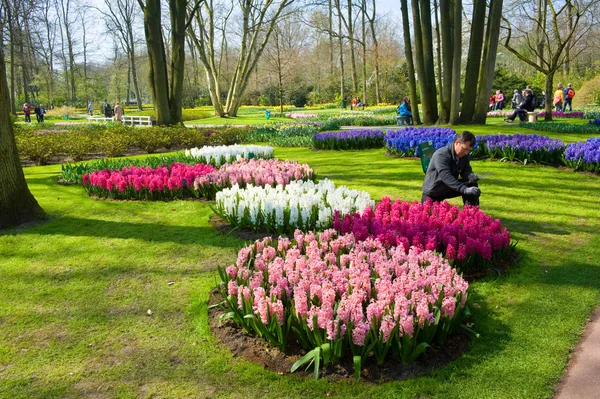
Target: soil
x: 256, y: 350
x: 224, y: 228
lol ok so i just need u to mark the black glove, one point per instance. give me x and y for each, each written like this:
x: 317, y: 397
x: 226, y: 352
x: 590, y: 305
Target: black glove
x: 473, y: 178
x: 473, y: 191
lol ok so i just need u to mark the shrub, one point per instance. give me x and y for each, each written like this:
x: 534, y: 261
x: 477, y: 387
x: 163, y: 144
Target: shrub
x: 77, y: 145
x: 338, y: 295
x: 349, y: 140
x: 468, y: 238
x: 152, y: 138
x: 38, y: 148
x: 113, y: 144
x: 405, y: 142
x: 362, y: 120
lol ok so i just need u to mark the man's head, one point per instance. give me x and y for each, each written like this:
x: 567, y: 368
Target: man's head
x: 464, y: 144
x: 569, y: 85
x: 560, y: 86
x: 527, y: 92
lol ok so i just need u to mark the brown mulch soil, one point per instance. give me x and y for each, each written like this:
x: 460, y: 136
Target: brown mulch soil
x: 256, y: 350
x: 224, y: 228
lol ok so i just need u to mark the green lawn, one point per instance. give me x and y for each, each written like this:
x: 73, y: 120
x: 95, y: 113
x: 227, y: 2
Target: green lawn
x: 76, y: 291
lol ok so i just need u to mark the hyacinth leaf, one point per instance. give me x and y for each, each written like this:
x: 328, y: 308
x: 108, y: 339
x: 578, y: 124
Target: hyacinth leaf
x: 226, y: 316
x: 312, y: 356
x: 357, y: 367
x: 475, y: 333
x: 326, y: 348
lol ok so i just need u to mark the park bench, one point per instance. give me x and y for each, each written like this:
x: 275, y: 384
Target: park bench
x: 426, y: 151
x: 532, y: 116
x: 136, y: 120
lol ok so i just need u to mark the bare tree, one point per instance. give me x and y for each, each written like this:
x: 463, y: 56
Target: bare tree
x: 120, y: 16
x: 67, y: 22
x: 258, y: 20
x: 557, y: 35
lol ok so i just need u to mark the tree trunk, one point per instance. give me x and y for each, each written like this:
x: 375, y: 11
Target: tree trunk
x: 473, y: 62
x: 330, y: 33
x: 12, y: 60
x: 447, y: 52
x: 412, y: 83
x: 17, y: 204
x: 350, y: 27
x: 341, y: 48
x: 178, y: 27
x: 438, y: 52
x: 364, y: 52
x: 486, y: 78
x: 159, y: 82
x: 427, y: 80
x: 567, y: 62
x: 455, y: 93
x: 548, y: 107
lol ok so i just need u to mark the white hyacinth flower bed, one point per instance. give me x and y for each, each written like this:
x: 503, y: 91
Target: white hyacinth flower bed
x: 301, y: 204
x: 219, y: 155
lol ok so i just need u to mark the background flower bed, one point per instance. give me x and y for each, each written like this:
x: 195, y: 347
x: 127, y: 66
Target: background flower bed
x: 560, y: 114
x: 561, y: 127
x: 404, y: 142
x: 339, y: 296
x: 348, y: 140
x: 303, y: 204
x: 145, y: 183
x: 520, y: 147
x: 584, y: 156
x: 219, y: 155
x: 196, y: 181
x: 468, y: 238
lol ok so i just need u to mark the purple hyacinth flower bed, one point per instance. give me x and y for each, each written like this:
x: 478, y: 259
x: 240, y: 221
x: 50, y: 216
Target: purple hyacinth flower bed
x: 560, y: 114
x: 357, y: 139
x: 521, y: 147
x: 404, y: 142
x: 584, y: 156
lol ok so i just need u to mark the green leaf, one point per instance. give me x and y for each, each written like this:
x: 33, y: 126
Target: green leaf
x: 357, y: 367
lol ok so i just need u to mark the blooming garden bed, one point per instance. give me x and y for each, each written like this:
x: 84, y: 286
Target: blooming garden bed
x: 584, y: 156
x: 405, y: 142
x: 520, y: 147
x: 349, y: 140
x: 339, y: 297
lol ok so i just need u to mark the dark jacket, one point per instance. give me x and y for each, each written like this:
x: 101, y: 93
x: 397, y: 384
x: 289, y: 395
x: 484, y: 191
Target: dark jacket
x: 442, y: 174
x: 527, y: 103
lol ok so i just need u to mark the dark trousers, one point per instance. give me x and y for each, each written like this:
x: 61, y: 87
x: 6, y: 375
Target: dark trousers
x: 467, y: 199
x: 520, y: 112
x: 569, y: 102
x: 27, y: 117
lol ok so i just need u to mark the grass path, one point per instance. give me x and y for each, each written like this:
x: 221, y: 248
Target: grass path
x: 76, y: 291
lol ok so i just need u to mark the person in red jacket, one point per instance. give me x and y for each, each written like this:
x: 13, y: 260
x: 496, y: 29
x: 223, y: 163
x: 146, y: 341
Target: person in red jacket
x: 27, y: 111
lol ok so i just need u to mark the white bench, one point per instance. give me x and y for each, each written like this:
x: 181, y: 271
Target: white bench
x: 99, y: 119
x: 136, y: 120
x: 532, y: 116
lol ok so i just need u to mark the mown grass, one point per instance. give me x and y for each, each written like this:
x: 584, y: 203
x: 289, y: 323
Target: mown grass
x: 76, y: 291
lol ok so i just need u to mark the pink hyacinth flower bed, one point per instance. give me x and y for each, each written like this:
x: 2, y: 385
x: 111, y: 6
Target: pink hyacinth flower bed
x: 340, y: 296
x: 145, y: 183
x: 301, y: 116
x: 258, y: 172
x: 468, y: 238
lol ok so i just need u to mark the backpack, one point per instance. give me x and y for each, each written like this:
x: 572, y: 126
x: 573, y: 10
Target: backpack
x: 570, y: 93
x: 535, y: 103
x: 25, y: 109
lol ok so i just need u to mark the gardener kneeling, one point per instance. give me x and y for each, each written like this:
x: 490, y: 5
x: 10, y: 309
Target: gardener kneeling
x: 442, y: 182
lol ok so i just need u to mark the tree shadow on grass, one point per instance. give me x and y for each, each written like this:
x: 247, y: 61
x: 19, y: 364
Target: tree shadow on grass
x: 151, y: 232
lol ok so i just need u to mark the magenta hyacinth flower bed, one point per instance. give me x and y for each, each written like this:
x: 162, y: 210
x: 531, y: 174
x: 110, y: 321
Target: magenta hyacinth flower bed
x: 145, y: 183
x: 339, y: 295
x: 560, y: 114
x: 258, y: 172
x: 468, y: 238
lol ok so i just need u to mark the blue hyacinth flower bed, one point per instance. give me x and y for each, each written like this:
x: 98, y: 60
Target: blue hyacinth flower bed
x: 524, y: 148
x: 584, y: 156
x: 358, y: 139
x: 404, y: 142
